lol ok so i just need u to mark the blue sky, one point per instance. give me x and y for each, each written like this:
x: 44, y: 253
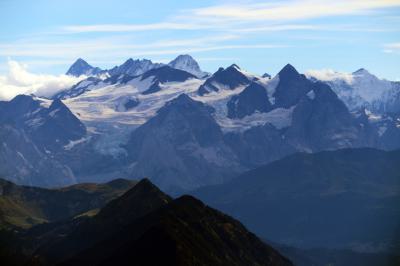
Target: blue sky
x: 259, y: 36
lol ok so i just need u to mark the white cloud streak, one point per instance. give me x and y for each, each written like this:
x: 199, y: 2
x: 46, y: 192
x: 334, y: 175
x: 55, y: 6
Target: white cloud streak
x: 392, y: 48
x: 291, y: 10
x: 20, y: 81
x: 111, y: 49
x: 329, y: 75
x: 238, y: 16
x: 68, y: 49
x: 132, y: 27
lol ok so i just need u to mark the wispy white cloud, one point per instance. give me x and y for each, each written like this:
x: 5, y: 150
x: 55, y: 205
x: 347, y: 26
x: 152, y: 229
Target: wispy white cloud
x: 272, y: 28
x: 102, y: 46
x: 133, y: 27
x: 392, y: 48
x: 20, y: 81
x: 290, y: 9
x: 225, y: 16
x: 111, y: 49
x: 198, y: 41
x: 203, y: 25
x: 192, y: 50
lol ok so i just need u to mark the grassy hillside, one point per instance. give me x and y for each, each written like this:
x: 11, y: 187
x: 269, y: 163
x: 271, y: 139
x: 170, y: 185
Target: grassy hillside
x: 23, y: 207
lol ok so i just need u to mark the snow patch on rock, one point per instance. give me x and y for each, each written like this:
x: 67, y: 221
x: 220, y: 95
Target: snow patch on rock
x: 279, y: 118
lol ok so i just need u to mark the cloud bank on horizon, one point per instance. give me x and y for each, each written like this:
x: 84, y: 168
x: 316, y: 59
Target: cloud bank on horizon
x: 20, y: 81
x: 261, y: 37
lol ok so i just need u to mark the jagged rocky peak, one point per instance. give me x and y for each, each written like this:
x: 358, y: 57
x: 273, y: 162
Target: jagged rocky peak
x: 185, y: 106
x: 187, y: 63
x: 231, y: 69
x: 137, y: 201
x: 130, y: 62
x: 364, y: 75
x: 181, y: 100
x: 164, y: 74
x: 133, y: 67
x: 234, y: 66
x: 266, y: 75
x: 60, y: 126
x: 81, y: 67
x: 292, y: 86
x: 146, y: 188
x: 288, y: 71
x: 230, y: 78
x: 188, y: 108
x: 362, y: 71
x: 20, y: 106
x: 80, y: 62
x: 23, y: 99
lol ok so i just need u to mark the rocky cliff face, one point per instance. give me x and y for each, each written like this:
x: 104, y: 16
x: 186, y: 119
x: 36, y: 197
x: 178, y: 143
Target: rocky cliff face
x: 181, y: 146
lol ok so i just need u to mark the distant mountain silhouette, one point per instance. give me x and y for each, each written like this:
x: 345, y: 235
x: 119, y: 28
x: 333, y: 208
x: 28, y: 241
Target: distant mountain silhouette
x: 338, y: 199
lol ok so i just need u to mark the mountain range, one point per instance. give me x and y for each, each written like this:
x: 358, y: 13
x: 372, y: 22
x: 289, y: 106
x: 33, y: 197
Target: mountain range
x: 135, y: 67
x: 184, y: 128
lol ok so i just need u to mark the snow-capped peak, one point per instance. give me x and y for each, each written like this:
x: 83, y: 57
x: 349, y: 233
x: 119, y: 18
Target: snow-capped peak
x: 360, y: 89
x: 266, y: 75
x: 361, y: 71
x: 187, y: 63
x: 134, y: 67
x: 235, y: 67
x: 368, y: 86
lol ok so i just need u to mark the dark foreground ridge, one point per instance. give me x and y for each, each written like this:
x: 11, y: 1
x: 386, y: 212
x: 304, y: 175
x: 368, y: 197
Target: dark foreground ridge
x: 144, y: 226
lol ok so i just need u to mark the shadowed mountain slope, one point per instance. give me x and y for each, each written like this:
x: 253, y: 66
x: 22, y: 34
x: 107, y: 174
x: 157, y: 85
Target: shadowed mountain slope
x: 337, y: 199
x: 146, y: 227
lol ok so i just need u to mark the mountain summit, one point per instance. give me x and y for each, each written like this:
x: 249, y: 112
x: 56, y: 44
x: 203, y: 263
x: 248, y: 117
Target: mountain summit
x: 292, y: 86
x: 134, y: 67
x: 146, y: 227
x: 188, y: 64
x: 230, y: 78
x: 288, y: 71
x: 81, y: 67
x: 361, y: 71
